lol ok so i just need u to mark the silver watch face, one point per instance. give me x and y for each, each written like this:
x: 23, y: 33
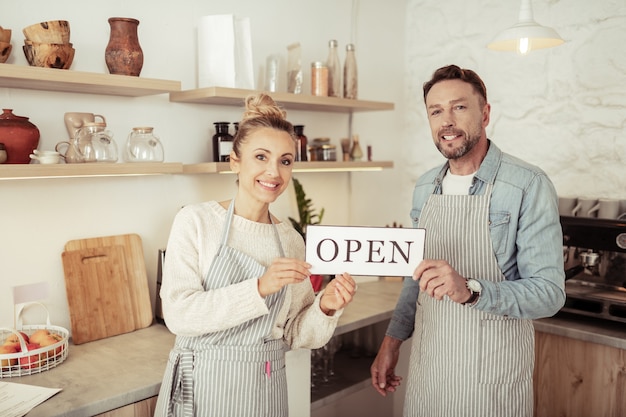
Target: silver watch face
x: 474, y: 285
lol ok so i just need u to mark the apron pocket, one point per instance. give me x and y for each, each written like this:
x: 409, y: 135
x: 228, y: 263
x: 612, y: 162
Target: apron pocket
x: 507, y: 351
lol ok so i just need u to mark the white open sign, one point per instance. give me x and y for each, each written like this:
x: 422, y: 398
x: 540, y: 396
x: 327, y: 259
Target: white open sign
x: 375, y: 251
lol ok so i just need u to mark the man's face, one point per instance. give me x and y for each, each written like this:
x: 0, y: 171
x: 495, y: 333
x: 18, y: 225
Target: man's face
x: 457, y: 116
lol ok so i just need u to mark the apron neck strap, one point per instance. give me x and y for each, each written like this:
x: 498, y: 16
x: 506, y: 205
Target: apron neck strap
x: 229, y: 219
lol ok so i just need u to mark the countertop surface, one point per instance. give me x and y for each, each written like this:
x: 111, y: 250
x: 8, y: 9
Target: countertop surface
x: 106, y: 374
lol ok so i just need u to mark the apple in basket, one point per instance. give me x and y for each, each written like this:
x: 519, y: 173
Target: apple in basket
x: 8, y: 349
x: 39, y: 335
x: 14, y: 340
x: 50, y: 339
x: 32, y: 361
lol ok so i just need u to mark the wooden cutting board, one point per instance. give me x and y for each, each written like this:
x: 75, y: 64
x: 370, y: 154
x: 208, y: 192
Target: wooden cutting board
x: 98, y: 293
x: 135, y: 268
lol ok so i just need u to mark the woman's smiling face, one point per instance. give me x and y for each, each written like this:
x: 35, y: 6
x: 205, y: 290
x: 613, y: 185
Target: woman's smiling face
x: 265, y: 164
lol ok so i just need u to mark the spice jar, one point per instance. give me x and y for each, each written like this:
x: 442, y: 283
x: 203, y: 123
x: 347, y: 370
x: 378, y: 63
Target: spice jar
x: 327, y: 153
x: 322, y: 150
x: 319, y: 79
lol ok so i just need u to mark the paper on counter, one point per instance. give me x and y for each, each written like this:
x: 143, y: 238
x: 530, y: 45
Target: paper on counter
x: 16, y: 400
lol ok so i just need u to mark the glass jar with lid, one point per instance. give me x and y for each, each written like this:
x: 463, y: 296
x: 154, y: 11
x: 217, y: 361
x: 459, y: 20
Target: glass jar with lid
x: 143, y: 146
x: 322, y: 150
x: 327, y: 152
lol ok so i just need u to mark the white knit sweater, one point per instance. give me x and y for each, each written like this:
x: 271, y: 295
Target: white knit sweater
x: 189, y: 310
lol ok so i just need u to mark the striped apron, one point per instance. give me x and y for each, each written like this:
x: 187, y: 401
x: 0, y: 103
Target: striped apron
x: 465, y: 362
x: 238, y: 372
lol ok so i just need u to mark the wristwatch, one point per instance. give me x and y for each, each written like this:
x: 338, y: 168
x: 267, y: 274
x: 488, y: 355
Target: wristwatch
x: 475, y: 289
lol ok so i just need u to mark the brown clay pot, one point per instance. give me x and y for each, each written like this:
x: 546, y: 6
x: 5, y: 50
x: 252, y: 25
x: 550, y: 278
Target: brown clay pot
x: 123, y: 54
x: 19, y: 136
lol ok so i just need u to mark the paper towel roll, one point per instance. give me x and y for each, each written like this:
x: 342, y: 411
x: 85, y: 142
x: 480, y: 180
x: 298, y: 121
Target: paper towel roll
x: 224, y: 52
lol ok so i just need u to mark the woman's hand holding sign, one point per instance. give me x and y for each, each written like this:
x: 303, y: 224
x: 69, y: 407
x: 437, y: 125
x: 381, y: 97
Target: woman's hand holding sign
x: 338, y: 293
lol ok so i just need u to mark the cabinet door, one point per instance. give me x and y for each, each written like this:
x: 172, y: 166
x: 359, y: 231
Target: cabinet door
x: 143, y: 408
x: 574, y: 378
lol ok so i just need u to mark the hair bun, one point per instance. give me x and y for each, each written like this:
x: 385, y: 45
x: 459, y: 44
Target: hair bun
x: 262, y: 105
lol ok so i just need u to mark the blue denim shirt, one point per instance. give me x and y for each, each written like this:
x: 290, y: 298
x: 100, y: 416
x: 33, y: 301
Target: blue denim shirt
x: 526, y: 236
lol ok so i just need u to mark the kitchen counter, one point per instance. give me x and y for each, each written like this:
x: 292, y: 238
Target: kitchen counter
x: 587, y: 329
x: 106, y: 374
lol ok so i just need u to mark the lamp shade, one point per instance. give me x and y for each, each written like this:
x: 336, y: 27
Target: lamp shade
x: 526, y: 35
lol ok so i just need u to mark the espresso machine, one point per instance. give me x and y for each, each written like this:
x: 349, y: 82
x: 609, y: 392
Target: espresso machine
x: 594, y: 254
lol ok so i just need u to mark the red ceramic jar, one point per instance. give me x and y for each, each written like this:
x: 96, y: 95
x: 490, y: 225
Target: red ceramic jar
x: 19, y: 136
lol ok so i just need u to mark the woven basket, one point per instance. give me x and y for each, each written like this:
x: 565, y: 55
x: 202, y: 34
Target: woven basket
x: 36, y: 360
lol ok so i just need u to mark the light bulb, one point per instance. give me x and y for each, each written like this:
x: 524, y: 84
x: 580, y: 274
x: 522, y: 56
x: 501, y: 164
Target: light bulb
x: 523, y: 46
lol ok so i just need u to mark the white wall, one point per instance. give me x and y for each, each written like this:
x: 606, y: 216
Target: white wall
x: 40, y: 216
x: 563, y: 109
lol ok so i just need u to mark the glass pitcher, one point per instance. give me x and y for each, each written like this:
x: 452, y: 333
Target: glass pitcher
x: 143, y: 146
x: 95, y: 144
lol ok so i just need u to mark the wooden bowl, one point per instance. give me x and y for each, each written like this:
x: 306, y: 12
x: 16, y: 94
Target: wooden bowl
x: 60, y: 45
x: 5, y: 35
x: 49, y: 55
x: 5, y: 51
x: 53, y: 31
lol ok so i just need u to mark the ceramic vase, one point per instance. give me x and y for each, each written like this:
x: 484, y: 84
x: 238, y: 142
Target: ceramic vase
x: 20, y: 137
x: 123, y: 54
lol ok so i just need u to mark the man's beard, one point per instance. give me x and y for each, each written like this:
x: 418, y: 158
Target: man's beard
x: 468, y: 144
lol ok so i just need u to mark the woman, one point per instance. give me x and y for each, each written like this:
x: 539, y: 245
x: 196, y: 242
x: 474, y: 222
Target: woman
x: 236, y: 291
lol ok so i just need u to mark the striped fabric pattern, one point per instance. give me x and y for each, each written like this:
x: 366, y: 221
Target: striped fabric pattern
x: 239, y: 372
x: 465, y: 362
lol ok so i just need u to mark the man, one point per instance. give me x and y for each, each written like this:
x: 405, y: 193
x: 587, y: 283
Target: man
x: 493, y: 262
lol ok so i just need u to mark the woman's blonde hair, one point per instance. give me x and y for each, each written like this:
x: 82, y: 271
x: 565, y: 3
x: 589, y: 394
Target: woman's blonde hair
x: 261, y: 112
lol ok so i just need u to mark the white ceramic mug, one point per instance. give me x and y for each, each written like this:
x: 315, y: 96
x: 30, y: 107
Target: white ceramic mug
x: 567, y: 206
x: 587, y: 207
x: 622, y: 210
x: 46, y: 157
x: 608, y: 208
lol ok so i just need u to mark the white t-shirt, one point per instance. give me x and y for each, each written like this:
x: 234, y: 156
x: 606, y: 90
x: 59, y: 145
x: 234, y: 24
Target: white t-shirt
x: 457, y: 184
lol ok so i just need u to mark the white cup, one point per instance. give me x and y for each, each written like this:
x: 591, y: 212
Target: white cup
x: 608, y: 208
x: 587, y: 207
x: 622, y: 210
x: 567, y: 206
x: 46, y: 157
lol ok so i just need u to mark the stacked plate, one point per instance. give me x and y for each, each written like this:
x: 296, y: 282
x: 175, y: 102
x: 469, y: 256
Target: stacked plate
x: 47, y: 44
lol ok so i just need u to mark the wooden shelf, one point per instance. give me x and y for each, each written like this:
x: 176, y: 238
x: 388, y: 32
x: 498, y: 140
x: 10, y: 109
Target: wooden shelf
x: 224, y: 167
x: 30, y: 171
x: 235, y: 97
x: 26, y: 171
x: 68, y: 81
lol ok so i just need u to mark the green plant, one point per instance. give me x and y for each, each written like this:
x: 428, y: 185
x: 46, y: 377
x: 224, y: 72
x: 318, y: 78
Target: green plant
x: 305, y: 211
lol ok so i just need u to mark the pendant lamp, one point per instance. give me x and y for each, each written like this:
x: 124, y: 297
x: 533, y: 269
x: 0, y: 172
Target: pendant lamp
x: 527, y: 35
